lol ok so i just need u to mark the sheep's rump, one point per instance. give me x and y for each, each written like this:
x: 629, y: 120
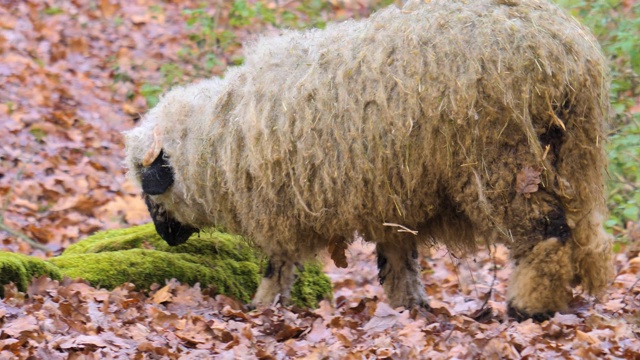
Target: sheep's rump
x: 422, y: 117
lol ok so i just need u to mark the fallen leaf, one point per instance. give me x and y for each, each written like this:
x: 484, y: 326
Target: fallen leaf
x: 108, y: 7
x: 319, y: 331
x: 84, y: 340
x: 584, y: 337
x: 163, y: 295
x: 337, y: 248
x: 20, y: 326
x: 288, y: 332
x: 527, y: 180
x: 566, y: 319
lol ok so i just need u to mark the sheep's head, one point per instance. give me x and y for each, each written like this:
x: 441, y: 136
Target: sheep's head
x: 155, y: 147
x: 155, y: 174
x: 156, y: 179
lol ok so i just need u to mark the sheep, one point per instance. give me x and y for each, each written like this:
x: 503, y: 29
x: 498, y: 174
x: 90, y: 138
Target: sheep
x: 447, y: 122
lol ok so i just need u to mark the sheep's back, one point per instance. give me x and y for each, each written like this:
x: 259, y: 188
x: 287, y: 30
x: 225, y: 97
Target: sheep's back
x: 391, y: 119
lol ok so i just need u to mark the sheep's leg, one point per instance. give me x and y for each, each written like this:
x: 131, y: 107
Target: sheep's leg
x: 540, y: 285
x: 399, y: 274
x: 276, y: 283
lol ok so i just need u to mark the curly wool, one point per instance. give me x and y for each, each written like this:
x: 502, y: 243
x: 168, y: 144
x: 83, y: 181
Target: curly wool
x: 421, y: 117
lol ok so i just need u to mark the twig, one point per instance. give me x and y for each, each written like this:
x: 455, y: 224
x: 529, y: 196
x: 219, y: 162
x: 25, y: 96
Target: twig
x: 3, y: 211
x: 495, y: 276
x: 402, y: 228
x: 473, y: 279
x: 5, y: 205
x: 24, y: 237
x: 624, y: 299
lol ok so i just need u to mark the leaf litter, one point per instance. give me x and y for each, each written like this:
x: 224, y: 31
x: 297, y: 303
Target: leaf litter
x: 73, y: 75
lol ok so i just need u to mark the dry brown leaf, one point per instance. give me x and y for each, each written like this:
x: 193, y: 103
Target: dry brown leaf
x: 61, y: 117
x: 586, y: 338
x: 566, y: 319
x: 84, y: 340
x: 288, y: 332
x: 527, y: 180
x: 20, y: 326
x: 319, y: 331
x: 337, y: 248
x: 162, y: 295
x: 108, y: 7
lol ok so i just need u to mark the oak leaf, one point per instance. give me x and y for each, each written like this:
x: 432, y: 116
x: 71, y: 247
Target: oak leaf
x: 527, y: 181
x: 337, y: 249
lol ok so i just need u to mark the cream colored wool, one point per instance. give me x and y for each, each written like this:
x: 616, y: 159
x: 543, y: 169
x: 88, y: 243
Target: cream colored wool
x: 420, y: 117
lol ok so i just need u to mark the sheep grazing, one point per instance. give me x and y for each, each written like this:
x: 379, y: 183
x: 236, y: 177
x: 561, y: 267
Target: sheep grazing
x: 448, y: 122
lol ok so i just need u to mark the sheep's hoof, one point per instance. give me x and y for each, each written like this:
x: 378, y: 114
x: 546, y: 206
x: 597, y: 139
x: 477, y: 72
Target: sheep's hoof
x: 423, y: 312
x: 262, y: 302
x: 521, y: 315
x: 422, y: 304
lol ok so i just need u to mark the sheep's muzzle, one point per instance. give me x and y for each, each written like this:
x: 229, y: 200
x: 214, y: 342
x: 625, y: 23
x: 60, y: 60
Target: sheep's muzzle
x: 171, y: 230
x: 156, y: 179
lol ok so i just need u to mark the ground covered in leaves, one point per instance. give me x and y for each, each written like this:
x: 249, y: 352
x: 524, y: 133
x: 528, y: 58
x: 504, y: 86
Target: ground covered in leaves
x: 53, y: 320
x: 76, y: 73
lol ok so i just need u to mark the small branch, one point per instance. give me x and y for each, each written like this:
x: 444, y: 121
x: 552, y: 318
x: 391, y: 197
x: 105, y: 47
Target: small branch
x: 3, y: 211
x: 495, y: 275
x: 624, y: 299
x: 24, y: 237
x: 402, y: 228
x: 5, y: 204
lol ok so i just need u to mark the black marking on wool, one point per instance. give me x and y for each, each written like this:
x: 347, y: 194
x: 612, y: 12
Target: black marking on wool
x: 382, y: 262
x: 157, y: 178
x: 269, y: 272
x: 555, y: 225
x: 521, y: 316
x: 553, y: 137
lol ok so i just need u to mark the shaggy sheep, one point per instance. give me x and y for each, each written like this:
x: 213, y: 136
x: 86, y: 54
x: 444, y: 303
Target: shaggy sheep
x: 445, y: 122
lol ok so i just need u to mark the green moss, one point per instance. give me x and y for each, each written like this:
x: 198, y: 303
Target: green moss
x: 311, y: 286
x: 20, y: 269
x: 114, y: 240
x: 138, y: 255
x: 208, y: 243
x: 143, y: 267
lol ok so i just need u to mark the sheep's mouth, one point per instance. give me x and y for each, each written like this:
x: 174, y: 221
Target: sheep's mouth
x: 170, y: 229
x: 156, y: 179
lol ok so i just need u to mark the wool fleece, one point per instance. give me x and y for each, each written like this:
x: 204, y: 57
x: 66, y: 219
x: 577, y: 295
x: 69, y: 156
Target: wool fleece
x: 448, y: 121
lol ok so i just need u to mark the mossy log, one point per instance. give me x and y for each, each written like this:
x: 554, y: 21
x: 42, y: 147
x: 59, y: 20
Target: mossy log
x: 20, y: 269
x: 138, y: 255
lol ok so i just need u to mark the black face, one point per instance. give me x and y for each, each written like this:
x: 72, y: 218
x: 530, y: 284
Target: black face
x: 156, y: 179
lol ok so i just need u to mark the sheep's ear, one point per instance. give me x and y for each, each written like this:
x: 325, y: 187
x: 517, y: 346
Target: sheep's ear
x: 155, y: 150
x: 157, y: 177
x: 169, y: 229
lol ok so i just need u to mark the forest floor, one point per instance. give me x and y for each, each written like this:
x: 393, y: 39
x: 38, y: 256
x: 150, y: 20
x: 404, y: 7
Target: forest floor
x: 75, y: 74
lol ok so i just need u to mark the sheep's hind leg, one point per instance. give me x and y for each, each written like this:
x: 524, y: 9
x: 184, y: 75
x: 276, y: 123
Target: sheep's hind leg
x: 399, y: 274
x: 540, y: 284
x: 276, y: 283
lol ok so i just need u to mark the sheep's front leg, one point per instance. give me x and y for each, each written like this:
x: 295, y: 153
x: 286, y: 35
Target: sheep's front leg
x: 399, y: 274
x: 540, y: 284
x: 276, y: 283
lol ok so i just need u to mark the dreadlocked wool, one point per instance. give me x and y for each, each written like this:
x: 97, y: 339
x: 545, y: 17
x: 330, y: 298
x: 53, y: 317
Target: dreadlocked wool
x: 447, y: 122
